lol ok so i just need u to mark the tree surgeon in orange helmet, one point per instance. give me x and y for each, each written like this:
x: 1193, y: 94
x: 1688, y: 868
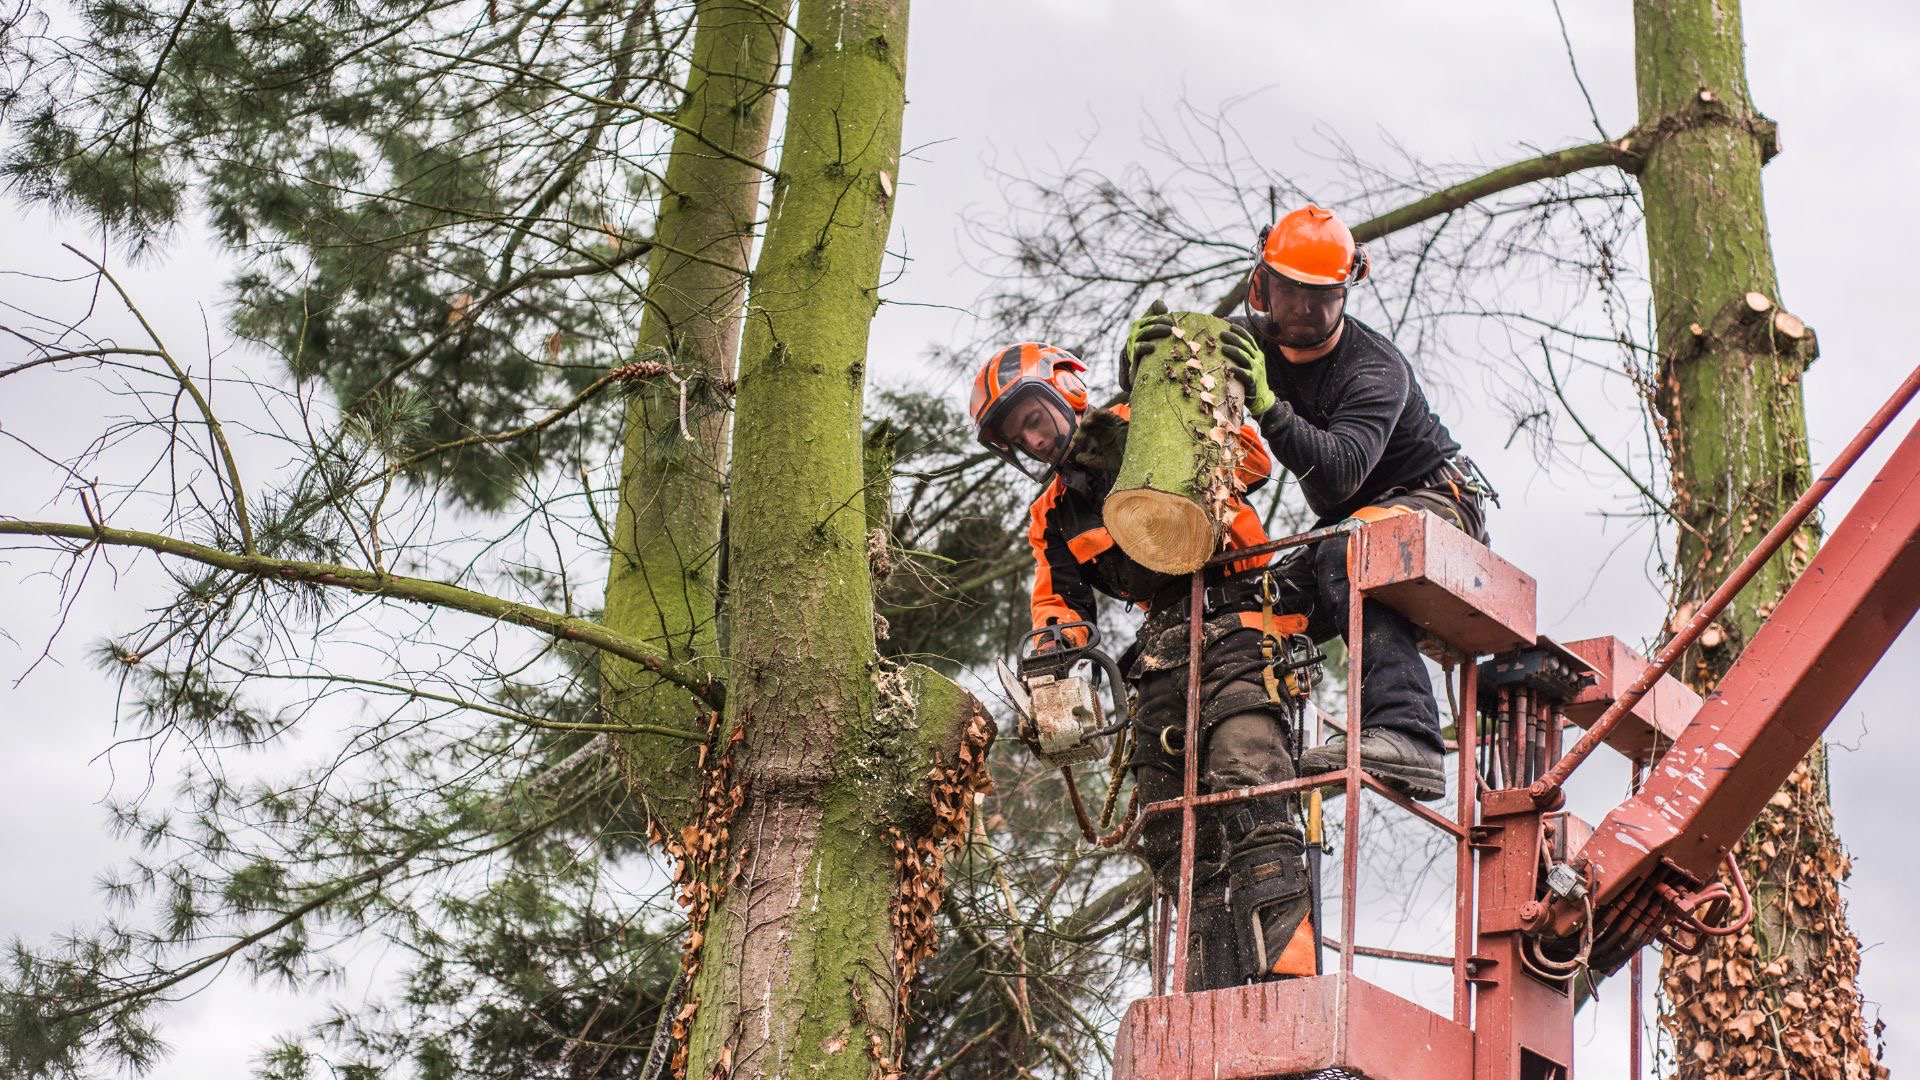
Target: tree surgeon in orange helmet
x: 1250, y: 888
x: 1340, y: 407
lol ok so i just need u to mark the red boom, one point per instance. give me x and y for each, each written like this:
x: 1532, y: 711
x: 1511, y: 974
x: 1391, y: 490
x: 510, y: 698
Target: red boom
x: 1806, y: 660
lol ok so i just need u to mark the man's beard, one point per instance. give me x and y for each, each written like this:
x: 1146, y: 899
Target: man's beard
x: 1300, y: 335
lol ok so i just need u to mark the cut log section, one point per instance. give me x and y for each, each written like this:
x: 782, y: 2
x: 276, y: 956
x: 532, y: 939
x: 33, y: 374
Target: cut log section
x: 1174, y: 497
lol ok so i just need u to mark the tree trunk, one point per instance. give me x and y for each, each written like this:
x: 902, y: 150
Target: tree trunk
x: 814, y: 910
x: 663, y: 583
x: 1780, y: 999
x: 1172, y: 500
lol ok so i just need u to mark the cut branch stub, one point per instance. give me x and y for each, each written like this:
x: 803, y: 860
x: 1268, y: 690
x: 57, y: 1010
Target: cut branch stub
x: 1754, y: 321
x: 1174, y: 497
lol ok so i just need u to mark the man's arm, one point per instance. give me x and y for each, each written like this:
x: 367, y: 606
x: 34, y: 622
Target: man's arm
x: 1060, y: 592
x: 1333, y: 462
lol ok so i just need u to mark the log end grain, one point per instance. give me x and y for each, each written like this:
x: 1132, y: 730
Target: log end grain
x: 1160, y: 530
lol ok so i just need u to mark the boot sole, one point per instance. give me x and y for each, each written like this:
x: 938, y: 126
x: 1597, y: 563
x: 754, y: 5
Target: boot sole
x: 1421, y: 785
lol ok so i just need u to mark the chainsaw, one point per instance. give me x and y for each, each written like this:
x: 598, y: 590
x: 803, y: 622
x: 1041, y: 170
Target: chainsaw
x: 1060, y: 716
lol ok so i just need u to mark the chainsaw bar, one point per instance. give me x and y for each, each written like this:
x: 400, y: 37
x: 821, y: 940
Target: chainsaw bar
x: 1015, y: 689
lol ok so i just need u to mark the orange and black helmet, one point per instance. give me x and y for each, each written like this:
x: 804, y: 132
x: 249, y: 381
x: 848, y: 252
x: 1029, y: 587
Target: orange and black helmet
x: 1307, y: 261
x: 1028, y: 398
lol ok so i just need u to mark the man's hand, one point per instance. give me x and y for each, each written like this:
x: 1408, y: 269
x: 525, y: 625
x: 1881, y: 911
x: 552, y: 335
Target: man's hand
x: 1146, y: 332
x: 1245, y: 362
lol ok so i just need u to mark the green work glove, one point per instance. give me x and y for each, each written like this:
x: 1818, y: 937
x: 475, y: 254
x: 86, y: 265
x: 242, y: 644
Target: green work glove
x: 1147, y: 332
x: 1245, y: 362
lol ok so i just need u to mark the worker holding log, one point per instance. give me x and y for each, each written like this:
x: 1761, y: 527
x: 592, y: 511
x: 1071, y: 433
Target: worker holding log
x: 1342, y: 412
x: 1250, y: 891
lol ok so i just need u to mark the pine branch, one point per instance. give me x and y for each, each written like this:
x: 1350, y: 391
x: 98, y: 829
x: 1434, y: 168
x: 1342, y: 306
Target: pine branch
x: 625, y: 106
x: 495, y: 438
x: 392, y: 586
x: 340, y: 890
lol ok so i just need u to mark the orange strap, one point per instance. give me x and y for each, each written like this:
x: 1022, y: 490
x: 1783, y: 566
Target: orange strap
x: 1282, y: 624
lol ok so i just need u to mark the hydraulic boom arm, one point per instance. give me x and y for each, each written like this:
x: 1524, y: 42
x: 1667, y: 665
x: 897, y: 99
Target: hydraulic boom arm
x: 1650, y: 863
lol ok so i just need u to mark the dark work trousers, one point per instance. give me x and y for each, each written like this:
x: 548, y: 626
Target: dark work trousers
x: 1244, y: 742
x: 1243, y: 739
x: 1398, y: 694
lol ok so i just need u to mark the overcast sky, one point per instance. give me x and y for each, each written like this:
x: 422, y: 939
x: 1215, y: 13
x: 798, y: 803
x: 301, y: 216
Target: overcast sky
x: 1040, y: 81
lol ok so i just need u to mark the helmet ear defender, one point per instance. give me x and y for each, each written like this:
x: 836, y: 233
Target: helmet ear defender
x: 1253, y: 276
x: 1071, y: 387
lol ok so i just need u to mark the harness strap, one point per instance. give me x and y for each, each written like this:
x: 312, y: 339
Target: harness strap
x: 1272, y: 628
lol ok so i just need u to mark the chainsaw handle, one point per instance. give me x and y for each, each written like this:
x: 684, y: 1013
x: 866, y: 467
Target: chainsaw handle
x: 1048, y: 647
x: 1115, y: 687
x: 1049, y: 644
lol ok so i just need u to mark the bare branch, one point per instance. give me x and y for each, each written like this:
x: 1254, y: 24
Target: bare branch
x: 1619, y: 153
x: 192, y: 390
x: 483, y: 707
x: 77, y: 354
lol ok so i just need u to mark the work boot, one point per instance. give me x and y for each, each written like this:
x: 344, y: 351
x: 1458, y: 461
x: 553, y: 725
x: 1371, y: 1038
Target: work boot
x: 1402, y: 762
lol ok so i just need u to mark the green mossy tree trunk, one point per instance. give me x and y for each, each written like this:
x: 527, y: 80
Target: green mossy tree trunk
x: 818, y: 906
x: 1779, y: 1000
x: 1171, y: 502
x: 662, y: 586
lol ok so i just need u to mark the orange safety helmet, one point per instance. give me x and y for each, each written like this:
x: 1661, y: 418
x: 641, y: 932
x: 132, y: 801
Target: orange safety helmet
x: 1312, y: 246
x: 1028, y: 398
x: 1306, y: 263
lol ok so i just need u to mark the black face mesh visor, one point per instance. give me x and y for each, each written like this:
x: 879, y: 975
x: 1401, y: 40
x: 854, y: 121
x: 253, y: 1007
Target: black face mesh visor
x: 1030, y: 421
x: 1297, y: 316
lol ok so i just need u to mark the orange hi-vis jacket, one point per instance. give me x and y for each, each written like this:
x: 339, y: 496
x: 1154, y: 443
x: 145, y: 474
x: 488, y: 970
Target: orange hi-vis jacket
x: 1075, y: 557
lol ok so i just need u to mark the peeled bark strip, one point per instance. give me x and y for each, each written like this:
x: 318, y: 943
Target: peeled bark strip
x: 1779, y: 999
x: 1172, y: 502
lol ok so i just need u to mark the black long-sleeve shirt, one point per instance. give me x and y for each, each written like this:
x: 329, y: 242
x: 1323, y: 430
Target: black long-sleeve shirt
x: 1359, y: 424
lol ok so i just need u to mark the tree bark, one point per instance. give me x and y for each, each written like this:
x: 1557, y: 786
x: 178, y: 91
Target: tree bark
x: 663, y: 584
x: 816, y: 909
x: 1780, y: 999
x: 1172, y: 500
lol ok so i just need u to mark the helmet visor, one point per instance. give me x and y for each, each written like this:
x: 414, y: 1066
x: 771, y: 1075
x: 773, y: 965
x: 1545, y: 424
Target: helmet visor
x: 1299, y: 316
x: 1031, y: 420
